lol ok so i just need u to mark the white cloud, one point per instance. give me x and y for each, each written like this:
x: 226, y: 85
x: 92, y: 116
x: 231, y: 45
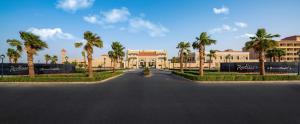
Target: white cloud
x: 222, y: 10
x: 93, y: 19
x: 51, y: 33
x: 74, y: 5
x: 241, y: 24
x: 154, y: 30
x: 116, y: 15
x: 109, y: 17
x: 246, y: 35
x: 224, y: 28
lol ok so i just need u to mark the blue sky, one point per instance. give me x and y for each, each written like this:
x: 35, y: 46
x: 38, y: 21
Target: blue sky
x: 145, y: 24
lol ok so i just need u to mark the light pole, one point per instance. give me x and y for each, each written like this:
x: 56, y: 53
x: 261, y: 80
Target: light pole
x: 2, y: 57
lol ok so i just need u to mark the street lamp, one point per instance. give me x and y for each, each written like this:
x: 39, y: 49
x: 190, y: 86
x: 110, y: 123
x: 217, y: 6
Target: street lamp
x: 2, y: 57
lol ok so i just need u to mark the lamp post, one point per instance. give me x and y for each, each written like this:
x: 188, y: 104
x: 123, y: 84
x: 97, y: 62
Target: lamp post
x: 2, y: 57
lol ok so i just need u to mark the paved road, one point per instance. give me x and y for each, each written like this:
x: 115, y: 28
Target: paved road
x: 161, y: 99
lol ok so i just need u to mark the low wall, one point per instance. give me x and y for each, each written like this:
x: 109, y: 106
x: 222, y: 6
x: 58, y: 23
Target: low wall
x: 273, y: 67
x: 22, y: 68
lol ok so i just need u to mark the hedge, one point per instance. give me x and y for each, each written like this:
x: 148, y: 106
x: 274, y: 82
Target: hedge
x: 236, y: 77
x: 61, y: 77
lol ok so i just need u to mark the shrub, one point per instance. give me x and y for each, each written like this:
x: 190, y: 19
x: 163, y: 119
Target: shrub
x: 75, y: 77
x: 234, y: 77
x: 146, y: 71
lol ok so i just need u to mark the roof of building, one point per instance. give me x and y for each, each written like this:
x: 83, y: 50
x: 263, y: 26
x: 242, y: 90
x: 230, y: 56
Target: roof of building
x: 294, y: 38
x: 147, y: 54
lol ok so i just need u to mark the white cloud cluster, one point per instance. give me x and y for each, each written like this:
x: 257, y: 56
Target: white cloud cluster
x: 223, y: 28
x: 241, y: 24
x: 222, y: 10
x: 74, y: 5
x: 51, y: 33
x: 246, y: 35
x: 122, y: 15
x: 109, y: 17
x: 139, y: 24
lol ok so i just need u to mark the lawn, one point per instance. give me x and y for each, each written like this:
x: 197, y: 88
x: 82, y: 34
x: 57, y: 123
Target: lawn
x: 234, y: 76
x: 73, y: 77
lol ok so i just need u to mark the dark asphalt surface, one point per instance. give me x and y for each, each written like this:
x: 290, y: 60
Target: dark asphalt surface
x: 161, y: 99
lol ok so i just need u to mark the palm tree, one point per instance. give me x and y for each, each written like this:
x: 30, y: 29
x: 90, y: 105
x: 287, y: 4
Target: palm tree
x: 228, y: 58
x: 279, y: 53
x: 92, y: 40
x: 47, y: 58
x: 261, y: 43
x: 84, y: 58
x: 13, y: 54
x: 32, y: 44
x: 182, y: 46
x: 117, y: 53
x: 54, y: 59
x: 165, y: 59
x: 271, y: 54
x: 212, y: 54
x: 173, y: 61
x: 186, y: 55
x: 200, y: 43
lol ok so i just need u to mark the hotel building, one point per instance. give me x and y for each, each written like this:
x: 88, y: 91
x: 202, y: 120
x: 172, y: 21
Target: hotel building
x: 292, y: 46
x: 147, y: 58
x: 221, y: 57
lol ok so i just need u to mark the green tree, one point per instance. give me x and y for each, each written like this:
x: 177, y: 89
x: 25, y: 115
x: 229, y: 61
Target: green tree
x: 228, y: 58
x: 54, y: 59
x: 173, y: 60
x: 14, y: 54
x: 200, y: 43
x: 260, y: 43
x: 47, y: 58
x: 279, y: 53
x: 183, y: 47
x: 117, y: 53
x: 32, y: 44
x: 92, y: 41
x: 211, y: 55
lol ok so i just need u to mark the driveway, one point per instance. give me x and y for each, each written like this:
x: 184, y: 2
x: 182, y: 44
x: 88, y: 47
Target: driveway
x: 160, y: 99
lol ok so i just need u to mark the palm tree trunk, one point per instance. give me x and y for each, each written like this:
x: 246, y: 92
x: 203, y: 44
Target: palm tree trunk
x: 181, y: 61
x: 173, y: 65
x: 114, y: 66
x: 90, y: 69
x: 274, y: 59
x: 279, y: 58
x: 30, y: 64
x: 201, y: 53
x: 262, y: 64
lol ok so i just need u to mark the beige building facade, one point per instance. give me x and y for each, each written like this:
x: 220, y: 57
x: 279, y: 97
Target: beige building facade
x: 292, y: 46
x: 221, y: 57
x: 146, y: 58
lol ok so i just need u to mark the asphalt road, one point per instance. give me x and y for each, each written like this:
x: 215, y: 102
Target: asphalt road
x: 160, y: 99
